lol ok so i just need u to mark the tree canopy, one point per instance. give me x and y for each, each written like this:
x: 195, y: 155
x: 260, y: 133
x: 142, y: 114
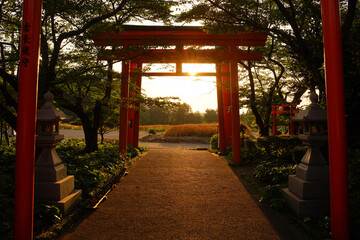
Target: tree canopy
x: 296, y: 30
x: 69, y: 66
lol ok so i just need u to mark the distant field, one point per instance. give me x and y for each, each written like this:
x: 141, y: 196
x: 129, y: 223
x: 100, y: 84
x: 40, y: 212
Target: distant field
x: 157, y: 128
x: 184, y: 130
x: 69, y: 126
x: 200, y: 130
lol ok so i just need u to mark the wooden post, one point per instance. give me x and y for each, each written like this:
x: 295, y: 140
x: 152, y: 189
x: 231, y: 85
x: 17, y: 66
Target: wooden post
x: 335, y: 99
x: 26, y: 120
x: 220, y: 104
x: 235, y: 115
x: 274, y: 122
x: 130, y: 138
x: 137, y: 107
x: 292, y: 132
x: 227, y: 103
x: 125, y: 76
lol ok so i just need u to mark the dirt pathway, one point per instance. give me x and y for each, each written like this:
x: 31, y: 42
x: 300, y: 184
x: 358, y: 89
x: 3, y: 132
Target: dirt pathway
x: 177, y: 194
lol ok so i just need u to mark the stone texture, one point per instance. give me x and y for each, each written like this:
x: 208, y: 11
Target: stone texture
x: 54, y: 191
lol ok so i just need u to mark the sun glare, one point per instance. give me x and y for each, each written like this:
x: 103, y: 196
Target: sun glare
x: 192, y: 72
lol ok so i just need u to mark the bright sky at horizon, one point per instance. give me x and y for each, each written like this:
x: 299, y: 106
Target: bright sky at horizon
x: 198, y: 92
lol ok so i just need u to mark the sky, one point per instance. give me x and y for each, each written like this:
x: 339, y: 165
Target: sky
x: 198, y: 92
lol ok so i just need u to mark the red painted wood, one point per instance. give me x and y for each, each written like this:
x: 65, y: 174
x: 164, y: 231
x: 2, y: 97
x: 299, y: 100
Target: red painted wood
x: 188, y: 41
x: 174, y: 74
x: 137, y: 108
x: 179, y: 37
x: 125, y: 77
x: 235, y: 114
x: 132, y: 94
x: 227, y: 104
x: 174, y: 56
x: 220, y: 103
x: 335, y: 98
x: 274, y: 121
x: 26, y: 120
x: 292, y: 132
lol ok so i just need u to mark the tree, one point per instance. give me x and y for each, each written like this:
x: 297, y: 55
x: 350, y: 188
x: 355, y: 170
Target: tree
x: 211, y: 116
x: 266, y: 83
x: 296, y: 27
x: 68, y: 58
x: 295, y: 23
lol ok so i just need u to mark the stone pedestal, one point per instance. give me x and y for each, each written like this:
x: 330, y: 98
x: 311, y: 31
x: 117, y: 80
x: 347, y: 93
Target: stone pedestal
x: 308, y: 193
x: 51, y: 181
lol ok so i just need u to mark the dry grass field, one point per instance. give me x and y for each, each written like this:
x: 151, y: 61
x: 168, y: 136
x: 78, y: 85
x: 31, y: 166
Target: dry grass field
x: 185, y: 130
x: 69, y: 126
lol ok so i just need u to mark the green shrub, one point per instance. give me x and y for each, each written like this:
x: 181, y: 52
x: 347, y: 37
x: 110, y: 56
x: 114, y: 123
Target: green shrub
x: 152, y: 132
x: 272, y: 196
x: 354, y: 192
x: 214, y: 143
x: 45, y: 215
x: 7, y: 189
x: 279, y: 147
x: 132, y: 152
x: 91, y: 170
x: 273, y: 172
x: 252, y: 156
x: 142, y: 149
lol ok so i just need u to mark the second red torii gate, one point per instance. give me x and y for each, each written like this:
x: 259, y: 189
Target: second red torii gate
x: 226, y: 56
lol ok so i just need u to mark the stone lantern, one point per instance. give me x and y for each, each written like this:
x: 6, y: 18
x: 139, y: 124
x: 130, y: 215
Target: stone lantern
x: 308, y: 192
x: 51, y: 181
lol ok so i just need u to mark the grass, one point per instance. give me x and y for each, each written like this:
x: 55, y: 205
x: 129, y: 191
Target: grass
x: 156, y: 128
x: 185, y: 130
x: 69, y: 126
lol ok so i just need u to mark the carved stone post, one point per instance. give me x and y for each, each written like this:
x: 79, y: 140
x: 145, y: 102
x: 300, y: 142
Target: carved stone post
x: 308, y: 191
x: 51, y: 181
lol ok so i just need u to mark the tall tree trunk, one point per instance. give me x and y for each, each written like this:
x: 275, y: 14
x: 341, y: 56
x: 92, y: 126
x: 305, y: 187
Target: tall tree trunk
x: 1, y: 132
x: 264, y: 129
x: 91, y: 139
x: 6, y: 135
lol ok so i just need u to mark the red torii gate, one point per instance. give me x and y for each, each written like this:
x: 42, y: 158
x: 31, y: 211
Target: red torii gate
x: 27, y: 103
x: 226, y: 58
x: 285, y: 108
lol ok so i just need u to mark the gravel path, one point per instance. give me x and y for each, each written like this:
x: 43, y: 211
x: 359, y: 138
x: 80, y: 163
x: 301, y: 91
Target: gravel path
x: 177, y: 194
x: 150, y: 145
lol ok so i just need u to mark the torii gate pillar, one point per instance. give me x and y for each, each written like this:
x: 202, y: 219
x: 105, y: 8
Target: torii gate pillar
x: 131, y: 112
x: 235, y: 115
x: 125, y: 76
x: 136, y: 123
x: 226, y: 104
x: 220, y: 103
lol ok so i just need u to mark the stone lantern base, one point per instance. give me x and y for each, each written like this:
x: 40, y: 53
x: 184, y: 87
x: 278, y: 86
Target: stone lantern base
x: 308, y: 191
x: 52, y: 183
x: 60, y: 193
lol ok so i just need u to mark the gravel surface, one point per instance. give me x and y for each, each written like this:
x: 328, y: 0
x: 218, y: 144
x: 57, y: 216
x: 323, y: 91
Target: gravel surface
x: 177, y: 194
x: 115, y: 134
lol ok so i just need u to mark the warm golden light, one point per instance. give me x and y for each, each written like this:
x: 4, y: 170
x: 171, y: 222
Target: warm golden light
x: 192, y: 72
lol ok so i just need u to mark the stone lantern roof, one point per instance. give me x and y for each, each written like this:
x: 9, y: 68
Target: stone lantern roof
x: 313, y: 113
x: 48, y: 112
